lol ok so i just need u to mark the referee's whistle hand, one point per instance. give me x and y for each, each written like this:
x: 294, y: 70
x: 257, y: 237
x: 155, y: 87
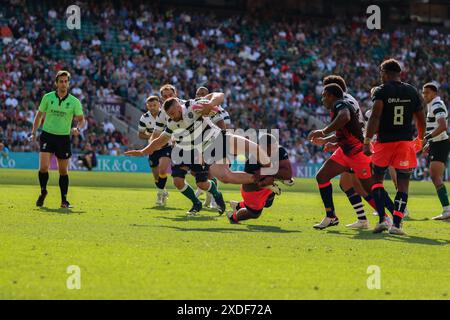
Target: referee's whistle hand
x: 75, y: 131
x: 32, y: 137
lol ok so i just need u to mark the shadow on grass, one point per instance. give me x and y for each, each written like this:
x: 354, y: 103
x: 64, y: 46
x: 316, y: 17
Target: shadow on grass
x: 185, y: 218
x: 368, y: 235
x: 59, y: 210
x: 159, y: 208
x: 250, y: 228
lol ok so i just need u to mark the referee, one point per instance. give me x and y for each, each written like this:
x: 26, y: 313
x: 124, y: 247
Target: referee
x: 437, y: 144
x: 59, y: 108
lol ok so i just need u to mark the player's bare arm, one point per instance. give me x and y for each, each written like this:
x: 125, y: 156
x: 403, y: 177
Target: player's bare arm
x: 284, y: 171
x: 79, y: 125
x: 373, y: 125
x: 154, y: 145
x: 36, y: 124
x: 215, y: 99
x: 341, y: 119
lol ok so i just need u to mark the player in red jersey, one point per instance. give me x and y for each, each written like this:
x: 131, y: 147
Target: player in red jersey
x: 349, y: 140
x: 256, y: 198
x: 395, y: 105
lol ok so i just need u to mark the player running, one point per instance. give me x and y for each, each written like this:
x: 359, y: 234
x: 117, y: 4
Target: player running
x: 223, y: 121
x: 348, y: 138
x: 59, y: 108
x: 395, y: 105
x: 185, y: 121
x: 348, y: 182
x: 160, y: 160
x: 255, y: 198
x: 436, y: 143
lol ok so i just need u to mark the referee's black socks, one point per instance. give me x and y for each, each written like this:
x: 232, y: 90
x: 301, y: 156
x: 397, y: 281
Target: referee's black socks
x: 64, y: 186
x: 43, y: 179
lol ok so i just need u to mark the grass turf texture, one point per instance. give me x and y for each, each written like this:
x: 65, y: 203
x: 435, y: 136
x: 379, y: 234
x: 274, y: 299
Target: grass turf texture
x: 127, y: 249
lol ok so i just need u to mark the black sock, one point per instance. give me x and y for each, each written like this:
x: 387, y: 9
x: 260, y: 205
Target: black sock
x: 64, y: 186
x: 326, y: 192
x: 356, y: 202
x: 401, y: 198
x: 43, y: 179
x: 161, y: 183
x: 378, y: 194
x: 389, y: 204
x: 244, y: 214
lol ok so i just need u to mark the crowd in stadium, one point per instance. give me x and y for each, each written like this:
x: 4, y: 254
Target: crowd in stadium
x: 270, y: 70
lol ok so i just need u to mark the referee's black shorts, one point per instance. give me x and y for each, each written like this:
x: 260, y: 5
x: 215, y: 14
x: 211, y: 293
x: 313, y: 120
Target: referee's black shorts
x: 439, y: 151
x: 58, y: 144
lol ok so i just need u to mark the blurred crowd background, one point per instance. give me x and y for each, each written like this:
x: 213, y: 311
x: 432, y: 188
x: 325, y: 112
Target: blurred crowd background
x: 270, y: 66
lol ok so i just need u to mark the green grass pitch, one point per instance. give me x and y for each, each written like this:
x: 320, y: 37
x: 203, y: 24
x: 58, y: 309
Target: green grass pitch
x: 127, y: 249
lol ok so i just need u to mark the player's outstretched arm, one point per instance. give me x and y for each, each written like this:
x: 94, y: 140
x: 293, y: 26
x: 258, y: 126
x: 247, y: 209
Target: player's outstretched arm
x: 284, y: 171
x: 149, y: 149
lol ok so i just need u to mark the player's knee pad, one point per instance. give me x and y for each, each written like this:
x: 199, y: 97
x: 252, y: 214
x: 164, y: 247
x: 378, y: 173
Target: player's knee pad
x: 376, y: 170
x: 403, y: 174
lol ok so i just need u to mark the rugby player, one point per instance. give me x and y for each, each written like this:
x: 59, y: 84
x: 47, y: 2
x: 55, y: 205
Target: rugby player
x: 160, y: 160
x: 256, y: 198
x: 185, y: 120
x: 395, y: 105
x: 437, y: 145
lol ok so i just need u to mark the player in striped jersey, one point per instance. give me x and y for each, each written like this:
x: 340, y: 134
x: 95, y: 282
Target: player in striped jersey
x: 437, y: 144
x: 160, y: 160
x: 223, y: 121
x: 192, y: 131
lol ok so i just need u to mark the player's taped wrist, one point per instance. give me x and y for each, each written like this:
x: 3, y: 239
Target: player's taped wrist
x: 428, y: 137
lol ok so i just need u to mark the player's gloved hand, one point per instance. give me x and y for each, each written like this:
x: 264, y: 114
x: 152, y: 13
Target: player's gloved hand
x: 330, y: 146
x: 367, y: 150
x: 134, y: 153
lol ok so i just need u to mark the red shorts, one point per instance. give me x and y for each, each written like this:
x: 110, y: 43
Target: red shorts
x: 359, y: 163
x: 398, y: 154
x: 255, y: 200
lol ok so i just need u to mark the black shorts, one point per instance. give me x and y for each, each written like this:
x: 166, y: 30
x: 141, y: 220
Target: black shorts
x: 153, y: 159
x: 185, y: 161
x: 439, y: 151
x: 58, y: 144
x: 216, y: 152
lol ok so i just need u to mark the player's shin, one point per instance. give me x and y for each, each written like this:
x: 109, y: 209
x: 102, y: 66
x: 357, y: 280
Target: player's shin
x: 356, y: 202
x: 43, y: 179
x: 443, y: 196
x: 326, y: 192
x: 378, y: 194
x: 64, y: 186
x: 189, y: 193
x: 401, y: 199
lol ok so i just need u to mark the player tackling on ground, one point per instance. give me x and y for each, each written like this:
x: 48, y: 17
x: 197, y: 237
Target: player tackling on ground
x: 59, y: 108
x: 395, y: 105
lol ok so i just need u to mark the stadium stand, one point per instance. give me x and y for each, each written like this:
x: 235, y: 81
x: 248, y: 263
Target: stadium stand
x: 271, y: 70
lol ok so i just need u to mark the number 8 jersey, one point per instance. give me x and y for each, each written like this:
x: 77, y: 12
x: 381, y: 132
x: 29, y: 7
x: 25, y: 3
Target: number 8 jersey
x: 400, y: 102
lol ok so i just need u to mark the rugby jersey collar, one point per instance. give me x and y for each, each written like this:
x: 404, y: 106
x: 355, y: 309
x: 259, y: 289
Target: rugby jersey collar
x: 64, y: 98
x: 436, y: 99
